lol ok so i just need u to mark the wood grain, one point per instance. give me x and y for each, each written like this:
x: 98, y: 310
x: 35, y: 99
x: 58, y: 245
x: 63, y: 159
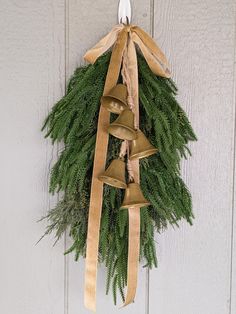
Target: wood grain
x: 194, y: 262
x: 32, y: 78
x: 88, y: 22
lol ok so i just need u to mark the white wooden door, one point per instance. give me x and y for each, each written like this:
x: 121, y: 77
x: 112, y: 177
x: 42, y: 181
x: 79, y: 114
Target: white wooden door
x: 41, y: 44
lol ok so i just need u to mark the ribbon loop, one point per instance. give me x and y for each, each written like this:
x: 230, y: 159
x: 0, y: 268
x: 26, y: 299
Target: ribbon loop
x: 103, y: 45
x: 151, y: 52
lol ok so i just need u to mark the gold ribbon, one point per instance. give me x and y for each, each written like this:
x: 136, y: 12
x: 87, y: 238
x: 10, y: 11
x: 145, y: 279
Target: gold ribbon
x: 122, y: 37
x: 131, y: 69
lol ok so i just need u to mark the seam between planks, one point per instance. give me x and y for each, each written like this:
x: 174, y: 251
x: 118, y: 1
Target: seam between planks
x: 152, y: 17
x: 66, y: 65
x: 147, y: 285
x: 234, y: 173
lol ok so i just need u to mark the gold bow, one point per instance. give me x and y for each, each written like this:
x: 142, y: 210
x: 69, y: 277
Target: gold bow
x: 123, y: 38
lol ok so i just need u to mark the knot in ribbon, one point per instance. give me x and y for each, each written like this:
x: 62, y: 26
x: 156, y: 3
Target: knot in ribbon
x: 151, y: 52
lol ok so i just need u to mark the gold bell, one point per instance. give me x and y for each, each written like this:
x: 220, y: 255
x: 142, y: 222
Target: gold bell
x: 123, y: 126
x: 115, y: 174
x: 141, y: 147
x: 134, y: 197
x: 116, y: 100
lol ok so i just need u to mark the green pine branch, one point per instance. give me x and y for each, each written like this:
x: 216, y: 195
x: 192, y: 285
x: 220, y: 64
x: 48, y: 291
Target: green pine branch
x: 73, y: 121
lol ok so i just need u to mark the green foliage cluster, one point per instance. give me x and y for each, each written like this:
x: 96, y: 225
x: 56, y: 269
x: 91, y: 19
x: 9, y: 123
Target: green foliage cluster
x: 73, y: 121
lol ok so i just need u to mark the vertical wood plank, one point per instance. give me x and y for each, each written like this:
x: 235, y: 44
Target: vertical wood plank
x: 88, y: 22
x: 233, y: 258
x: 233, y: 261
x: 32, y: 79
x: 194, y: 262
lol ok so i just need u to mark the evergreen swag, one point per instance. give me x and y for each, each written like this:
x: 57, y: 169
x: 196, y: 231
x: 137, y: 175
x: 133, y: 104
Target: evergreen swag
x: 73, y: 121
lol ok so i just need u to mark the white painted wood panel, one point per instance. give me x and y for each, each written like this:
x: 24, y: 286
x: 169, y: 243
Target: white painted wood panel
x: 195, y: 262
x: 32, y: 78
x: 88, y: 22
x: 41, y: 43
x: 233, y: 263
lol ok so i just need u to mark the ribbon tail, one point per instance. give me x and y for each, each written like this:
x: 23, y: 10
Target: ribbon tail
x: 103, y: 45
x: 151, y: 52
x: 132, y: 68
x: 96, y: 195
x: 133, y: 254
x: 134, y: 213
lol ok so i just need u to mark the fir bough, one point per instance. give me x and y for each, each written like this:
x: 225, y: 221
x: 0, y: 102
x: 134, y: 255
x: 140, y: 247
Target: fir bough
x: 73, y: 121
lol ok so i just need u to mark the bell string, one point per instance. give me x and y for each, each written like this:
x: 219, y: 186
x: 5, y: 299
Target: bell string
x: 130, y: 101
x: 130, y: 171
x: 123, y: 149
x: 127, y: 81
x: 126, y: 77
x: 129, y: 164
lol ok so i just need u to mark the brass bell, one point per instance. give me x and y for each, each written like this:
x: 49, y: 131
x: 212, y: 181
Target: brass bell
x: 134, y: 197
x: 116, y: 100
x: 123, y: 126
x: 141, y: 147
x: 114, y: 175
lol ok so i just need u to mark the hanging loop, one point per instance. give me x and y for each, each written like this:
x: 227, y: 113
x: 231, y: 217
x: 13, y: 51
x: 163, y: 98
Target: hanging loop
x: 124, y: 12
